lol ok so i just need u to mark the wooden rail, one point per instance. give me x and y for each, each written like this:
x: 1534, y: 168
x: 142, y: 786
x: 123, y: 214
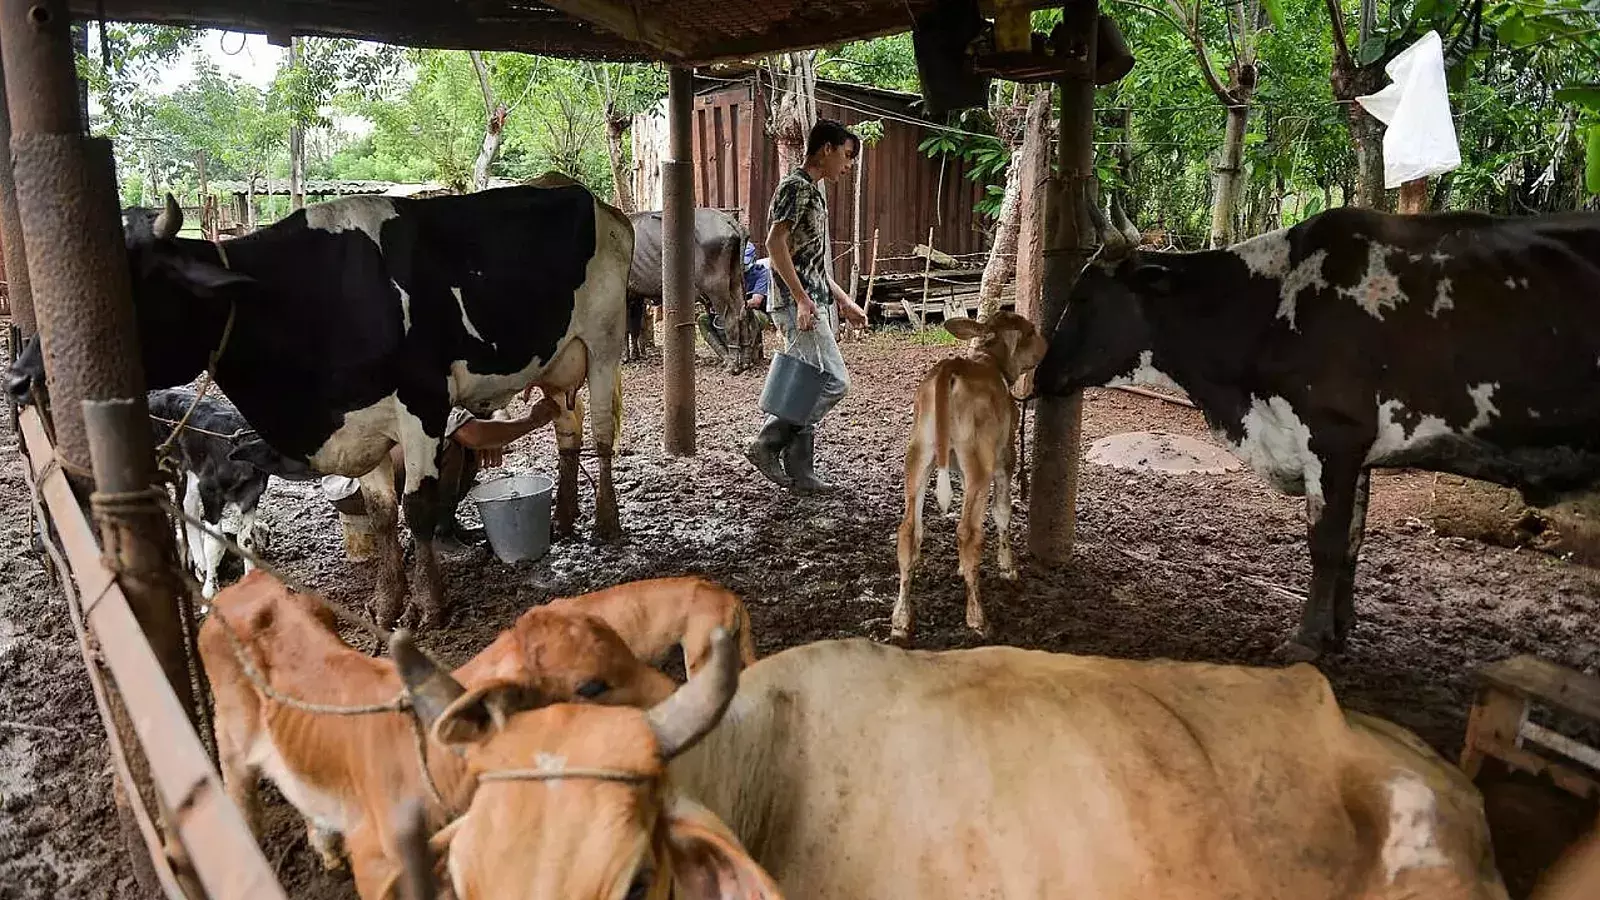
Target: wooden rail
x: 225, y: 856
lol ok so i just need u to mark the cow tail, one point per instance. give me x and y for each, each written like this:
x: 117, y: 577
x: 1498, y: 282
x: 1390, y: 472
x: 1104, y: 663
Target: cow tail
x: 734, y: 327
x: 941, y: 438
x: 747, y: 639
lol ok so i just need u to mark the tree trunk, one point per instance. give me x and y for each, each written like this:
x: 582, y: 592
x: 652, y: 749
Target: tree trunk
x: 1035, y: 162
x: 621, y: 178
x: 494, y: 126
x: 297, y: 143
x: 1230, y: 174
x: 793, y: 106
x: 1002, y: 264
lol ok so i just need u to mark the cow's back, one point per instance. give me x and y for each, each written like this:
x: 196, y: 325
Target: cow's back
x: 851, y: 769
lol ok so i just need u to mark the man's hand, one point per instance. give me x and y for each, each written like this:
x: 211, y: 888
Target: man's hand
x: 852, y: 313
x: 805, y: 314
x: 490, y: 459
x: 756, y: 301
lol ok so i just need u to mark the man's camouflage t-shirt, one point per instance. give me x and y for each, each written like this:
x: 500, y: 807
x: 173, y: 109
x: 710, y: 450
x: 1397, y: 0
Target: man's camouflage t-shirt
x: 800, y: 202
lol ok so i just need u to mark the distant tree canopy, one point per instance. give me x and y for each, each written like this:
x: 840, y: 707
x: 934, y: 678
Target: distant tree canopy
x: 1525, y: 77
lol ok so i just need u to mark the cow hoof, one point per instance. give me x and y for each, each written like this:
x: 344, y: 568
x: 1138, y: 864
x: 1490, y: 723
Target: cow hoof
x: 1293, y: 651
x: 981, y: 628
x: 1009, y: 574
x: 900, y: 637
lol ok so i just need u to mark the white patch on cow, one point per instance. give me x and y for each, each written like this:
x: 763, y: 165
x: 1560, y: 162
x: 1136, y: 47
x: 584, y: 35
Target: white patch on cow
x: 1145, y: 373
x: 1393, y: 438
x: 1267, y: 255
x: 466, y: 321
x: 360, y: 442
x: 1511, y: 283
x: 1482, y: 398
x: 1442, y: 299
x: 1439, y: 257
x: 1411, y: 841
x: 421, y: 451
x: 1277, y: 445
x: 405, y: 306
x: 1306, y: 275
x: 544, y: 761
x: 1379, y: 288
x: 365, y: 214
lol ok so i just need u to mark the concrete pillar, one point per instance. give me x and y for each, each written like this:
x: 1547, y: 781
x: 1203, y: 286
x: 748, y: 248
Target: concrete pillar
x: 677, y: 257
x: 1068, y: 242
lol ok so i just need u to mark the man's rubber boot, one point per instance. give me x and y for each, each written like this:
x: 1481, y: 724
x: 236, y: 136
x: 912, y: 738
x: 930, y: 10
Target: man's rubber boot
x: 769, y: 442
x: 799, y: 459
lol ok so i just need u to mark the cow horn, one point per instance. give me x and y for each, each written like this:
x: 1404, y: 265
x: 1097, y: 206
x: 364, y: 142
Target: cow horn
x: 1113, y: 242
x: 694, y: 709
x: 1119, y: 218
x: 169, y: 221
x: 431, y: 688
x: 411, y: 839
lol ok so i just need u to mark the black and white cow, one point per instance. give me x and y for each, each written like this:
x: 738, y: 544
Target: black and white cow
x: 213, y: 487
x: 718, y: 269
x: 1456, y: 342
x: 357, y: 324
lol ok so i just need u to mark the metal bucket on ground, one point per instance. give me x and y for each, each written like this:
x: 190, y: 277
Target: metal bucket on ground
x: 516, y: 515
x: 792, y: 388
x: 345, y: 495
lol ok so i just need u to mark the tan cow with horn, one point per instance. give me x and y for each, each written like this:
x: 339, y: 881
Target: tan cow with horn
x: 847, y: 769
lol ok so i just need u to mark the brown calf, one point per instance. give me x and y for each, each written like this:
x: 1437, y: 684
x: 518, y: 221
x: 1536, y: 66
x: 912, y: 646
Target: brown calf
x: 656, y: 614
x: 964, y: 406
x: 347, y: 774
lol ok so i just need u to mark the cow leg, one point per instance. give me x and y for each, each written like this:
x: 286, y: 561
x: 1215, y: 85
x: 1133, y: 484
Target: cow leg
x: 1328, y: 532
x: 247, y: 537
x: 977, y: 469
x: 569, y: 443
x: 383, y: 513
x: 1002, y: 511
x: 919, y: 462
x: 605, y: 393
x: 1344, y: 598
x: 422, y: 508
x: 326, y: 843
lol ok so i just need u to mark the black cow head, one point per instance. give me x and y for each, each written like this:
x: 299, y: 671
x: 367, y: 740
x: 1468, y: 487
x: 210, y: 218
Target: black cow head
x: 1105, y: 329
x: 180, y: 296
x: 259, y: 454
x: 27, y: 371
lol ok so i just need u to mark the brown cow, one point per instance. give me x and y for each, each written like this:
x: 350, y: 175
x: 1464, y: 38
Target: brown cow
x: 964, y: 406
x: 346, y: 774
x: 657, y: 614
x: 851, y: 769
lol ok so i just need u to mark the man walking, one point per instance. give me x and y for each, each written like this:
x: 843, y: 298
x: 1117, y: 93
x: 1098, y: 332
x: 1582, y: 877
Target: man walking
x: 806, y: 303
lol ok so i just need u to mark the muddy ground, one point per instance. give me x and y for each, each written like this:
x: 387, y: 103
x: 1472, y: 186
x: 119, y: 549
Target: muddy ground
x: 1170, y: 566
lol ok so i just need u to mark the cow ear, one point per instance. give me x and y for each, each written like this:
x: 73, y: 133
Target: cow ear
x: 482, y: 711
x: 964, y: 329
x: 204, y: 279
x: 708, y: 862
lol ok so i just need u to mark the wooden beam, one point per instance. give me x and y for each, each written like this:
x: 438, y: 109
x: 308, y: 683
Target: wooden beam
x: 625, y: 21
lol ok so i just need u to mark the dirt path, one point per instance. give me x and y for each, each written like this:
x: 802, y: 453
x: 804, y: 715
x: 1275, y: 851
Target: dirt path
x: 1166, y: 566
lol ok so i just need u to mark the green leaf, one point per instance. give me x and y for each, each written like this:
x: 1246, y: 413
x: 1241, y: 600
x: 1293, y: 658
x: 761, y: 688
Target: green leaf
x: 1586, y: 97
x: 1516, y: 31
x: 1591, y: 174
x: 1313, y: 206
x: 1274, y: 10
x: 1372, y: 50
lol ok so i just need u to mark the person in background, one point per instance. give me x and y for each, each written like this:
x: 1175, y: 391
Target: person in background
x: 806, y: 303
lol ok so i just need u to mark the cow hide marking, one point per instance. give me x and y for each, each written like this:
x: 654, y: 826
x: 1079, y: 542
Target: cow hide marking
x: 1379, y: 289
x: 1411, y: 842
x: 1277, y: 445
x: 405, y: 307
x: 1394, y: 437
x: 1306, y: 275
x: 1267, y: 255
x: 466, y: 320
x: 364, y: 214
x: 1482, y: 398
x: 1145, y: 373
x: 1443, y: 299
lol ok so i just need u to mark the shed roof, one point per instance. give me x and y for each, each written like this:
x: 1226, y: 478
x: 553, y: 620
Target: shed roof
x: 677, y: 31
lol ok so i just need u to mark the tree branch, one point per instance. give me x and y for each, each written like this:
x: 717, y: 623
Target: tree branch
x: 1341, y: 47
x: 483, y: 81
x: 1165, y: 14
x: 1180, y: 19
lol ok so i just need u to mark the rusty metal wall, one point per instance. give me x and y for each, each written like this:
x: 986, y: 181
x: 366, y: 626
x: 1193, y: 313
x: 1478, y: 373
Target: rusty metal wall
x: 736, y: 168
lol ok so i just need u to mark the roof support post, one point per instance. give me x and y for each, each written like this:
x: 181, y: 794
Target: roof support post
x: 677, y: 274
x: 1069, y: 240
x: 16, y: 259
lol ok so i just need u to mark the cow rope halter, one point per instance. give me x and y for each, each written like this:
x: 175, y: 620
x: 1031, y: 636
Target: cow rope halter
x: 400, y: 703
x: 209, y: 376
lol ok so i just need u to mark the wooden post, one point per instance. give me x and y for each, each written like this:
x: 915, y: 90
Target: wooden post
x: 872, y: 275
x: 11, y: 239
x: 677, y: 257
x: 1414, y: 196
x: 297, y: 144
x: 1052, y: 508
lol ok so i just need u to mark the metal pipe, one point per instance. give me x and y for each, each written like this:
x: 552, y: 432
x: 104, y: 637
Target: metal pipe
x: 1058, y: 430
x: 677, y: 288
